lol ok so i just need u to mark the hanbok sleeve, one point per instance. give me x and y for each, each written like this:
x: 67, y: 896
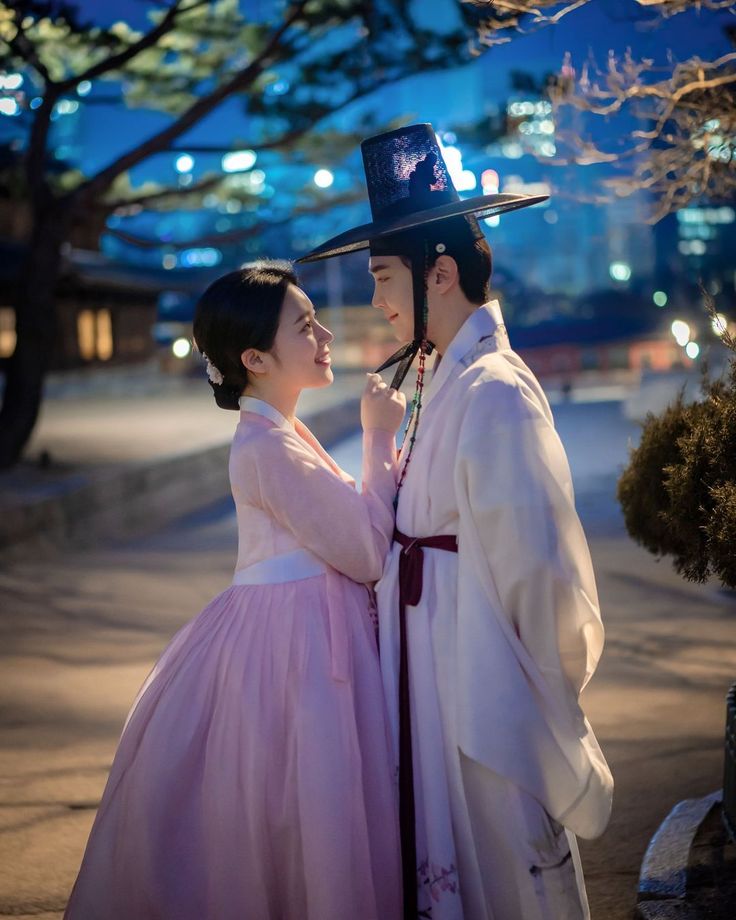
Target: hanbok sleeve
x: 350, y: 531
x: 517, y: 508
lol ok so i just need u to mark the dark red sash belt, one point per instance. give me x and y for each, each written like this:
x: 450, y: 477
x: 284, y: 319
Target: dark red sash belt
x: 411, y: 568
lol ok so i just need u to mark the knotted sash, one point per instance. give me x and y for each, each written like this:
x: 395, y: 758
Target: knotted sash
x: 411, y: 571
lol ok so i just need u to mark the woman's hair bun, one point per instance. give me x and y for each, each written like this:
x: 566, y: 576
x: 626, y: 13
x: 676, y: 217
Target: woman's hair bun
x: 226, y: 397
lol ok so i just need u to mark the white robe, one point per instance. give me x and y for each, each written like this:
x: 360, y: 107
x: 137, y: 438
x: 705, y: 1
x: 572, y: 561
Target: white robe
x: 507, y: 631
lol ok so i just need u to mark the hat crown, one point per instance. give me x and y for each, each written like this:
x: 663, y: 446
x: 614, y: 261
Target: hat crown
x: 405, y: 172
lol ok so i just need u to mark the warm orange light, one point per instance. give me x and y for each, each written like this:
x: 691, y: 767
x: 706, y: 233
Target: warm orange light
x: 86, y: 334
x: 7, y: 332
x: 104, y: 335
x: 94, y: 335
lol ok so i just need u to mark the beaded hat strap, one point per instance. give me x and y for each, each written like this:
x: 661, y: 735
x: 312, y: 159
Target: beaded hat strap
x: 425, y: 348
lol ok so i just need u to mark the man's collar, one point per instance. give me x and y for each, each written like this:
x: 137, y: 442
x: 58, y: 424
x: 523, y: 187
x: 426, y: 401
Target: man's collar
x: 481, y: 324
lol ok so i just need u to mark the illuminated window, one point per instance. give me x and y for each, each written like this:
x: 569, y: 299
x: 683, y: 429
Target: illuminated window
x: 697, y: 232
x: 86, y: 334
x: 94, y: 335
x: 7, y: 332
x: 724, y: 215
x: 692, y: 248
x: 104, y: 335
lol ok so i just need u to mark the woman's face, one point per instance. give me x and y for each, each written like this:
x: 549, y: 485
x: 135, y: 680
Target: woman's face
x: 300, y: 357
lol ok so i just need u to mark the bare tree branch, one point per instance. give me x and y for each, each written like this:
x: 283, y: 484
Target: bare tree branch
x: 504, y: 18
x: 687, y: 145
x: 507, y: 17
x: 673, y: 7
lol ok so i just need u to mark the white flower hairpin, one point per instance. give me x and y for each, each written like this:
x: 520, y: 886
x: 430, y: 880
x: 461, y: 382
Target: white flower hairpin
x: 213, y: 373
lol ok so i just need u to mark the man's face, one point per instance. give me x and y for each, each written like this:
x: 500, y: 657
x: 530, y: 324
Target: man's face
x: 392, y: 294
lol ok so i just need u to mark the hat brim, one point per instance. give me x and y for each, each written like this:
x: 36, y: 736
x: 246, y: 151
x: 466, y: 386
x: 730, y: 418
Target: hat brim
x: 362, y: 236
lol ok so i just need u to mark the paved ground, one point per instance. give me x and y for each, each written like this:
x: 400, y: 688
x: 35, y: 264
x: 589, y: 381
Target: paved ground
x: 80, y: 631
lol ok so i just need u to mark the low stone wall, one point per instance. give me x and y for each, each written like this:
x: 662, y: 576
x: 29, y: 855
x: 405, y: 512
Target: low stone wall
x: 140, y: 498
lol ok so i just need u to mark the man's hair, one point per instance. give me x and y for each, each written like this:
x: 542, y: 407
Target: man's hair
x: 462, y: 240
x: 474, y: 267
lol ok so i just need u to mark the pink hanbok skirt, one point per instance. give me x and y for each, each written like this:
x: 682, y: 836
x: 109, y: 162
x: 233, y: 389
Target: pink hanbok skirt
x: 250, y: 783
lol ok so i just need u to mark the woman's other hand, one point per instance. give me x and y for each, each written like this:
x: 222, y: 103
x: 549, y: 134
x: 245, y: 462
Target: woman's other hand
x: 381, y: 406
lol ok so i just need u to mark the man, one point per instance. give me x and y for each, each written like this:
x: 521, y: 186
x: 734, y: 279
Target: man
x: 489, y: 619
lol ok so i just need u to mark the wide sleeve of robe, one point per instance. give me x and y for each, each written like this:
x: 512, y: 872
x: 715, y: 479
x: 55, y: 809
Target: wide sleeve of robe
x: 350, y: 530
x: 518, y: 522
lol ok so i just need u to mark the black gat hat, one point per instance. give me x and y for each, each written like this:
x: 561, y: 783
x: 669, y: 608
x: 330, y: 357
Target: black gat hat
x: 413, y: 201
x: 408, y: 186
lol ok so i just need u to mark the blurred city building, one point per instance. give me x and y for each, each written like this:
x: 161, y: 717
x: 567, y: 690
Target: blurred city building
x: 585, y: 286
x: 697, y: 243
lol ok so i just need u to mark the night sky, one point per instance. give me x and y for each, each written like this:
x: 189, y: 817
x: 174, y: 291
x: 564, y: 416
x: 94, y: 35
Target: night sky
x: 448, y: 99
x: 600, y: 25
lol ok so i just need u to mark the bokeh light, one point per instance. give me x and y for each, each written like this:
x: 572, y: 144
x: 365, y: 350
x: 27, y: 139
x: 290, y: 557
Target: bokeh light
x: 619, y: 271
x: 719, y: 324
x: 239, y: 160
x: 184, y: 163
x: 323, y: 178
x: 181, y: 348
x: 681, y: 331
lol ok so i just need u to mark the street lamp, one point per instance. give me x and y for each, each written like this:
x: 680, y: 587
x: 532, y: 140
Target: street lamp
x: 184, y: 163
x: 239, y: 160
x: 463, y: 179
x: 323, y: 178
x: 619, y: 271
x: 181, y: 348
x: 11, y: 81
x: 490, y: 181
x: 681, y: 332
x: 719, y: 324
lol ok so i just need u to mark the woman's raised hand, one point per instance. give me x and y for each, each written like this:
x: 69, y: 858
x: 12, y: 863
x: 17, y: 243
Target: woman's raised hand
x: 381, y: 406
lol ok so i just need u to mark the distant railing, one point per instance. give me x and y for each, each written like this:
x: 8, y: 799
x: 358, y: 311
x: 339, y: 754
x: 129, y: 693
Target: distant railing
x: 729, y: 773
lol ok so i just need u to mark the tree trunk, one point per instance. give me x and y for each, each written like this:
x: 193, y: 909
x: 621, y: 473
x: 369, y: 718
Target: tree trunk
x: 36, y: 325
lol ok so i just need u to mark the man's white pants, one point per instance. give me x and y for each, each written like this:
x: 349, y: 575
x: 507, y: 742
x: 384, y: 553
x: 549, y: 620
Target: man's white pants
x: 515, y: 862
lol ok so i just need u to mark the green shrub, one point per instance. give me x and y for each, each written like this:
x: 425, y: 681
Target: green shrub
x: 678, y: 492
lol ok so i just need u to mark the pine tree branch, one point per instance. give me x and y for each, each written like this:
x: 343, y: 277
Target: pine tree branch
x: 145, y: 200
x: 234, y: 236
x: 148, y: 40
x: 21, y: 45
x: 194, y: 114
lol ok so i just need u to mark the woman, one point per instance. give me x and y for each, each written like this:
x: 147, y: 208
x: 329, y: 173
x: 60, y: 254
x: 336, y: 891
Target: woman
x: 253, y: 778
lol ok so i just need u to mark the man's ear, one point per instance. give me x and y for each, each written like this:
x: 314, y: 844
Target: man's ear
x: 445, y: 274
x: 252, y: 361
